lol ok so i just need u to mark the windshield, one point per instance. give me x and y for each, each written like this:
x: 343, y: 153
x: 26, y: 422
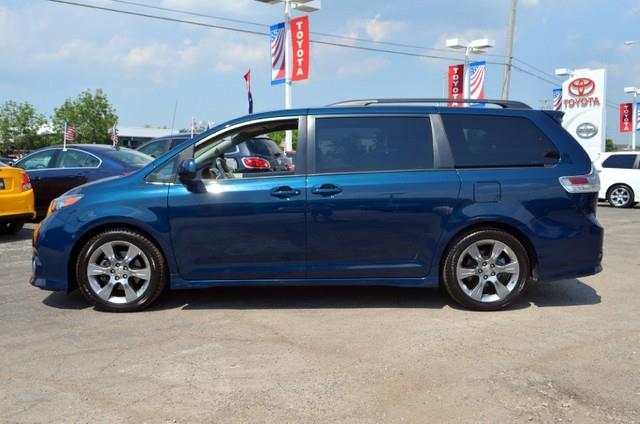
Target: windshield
x: 130, y: 157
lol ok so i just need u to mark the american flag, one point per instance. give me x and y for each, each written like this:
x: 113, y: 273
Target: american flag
x: 278, y: 45
x: 476, y: 80
x: 114, y: 136
x: 557, y: 98
x: 69, y: 133
x: 247, y: 80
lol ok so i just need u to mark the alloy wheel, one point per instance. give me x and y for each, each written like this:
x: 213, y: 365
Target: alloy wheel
x: 619, y: 196
x: 119, y: 272
x: 487, y: 271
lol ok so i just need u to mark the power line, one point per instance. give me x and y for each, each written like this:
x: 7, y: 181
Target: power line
x: 262, y: 34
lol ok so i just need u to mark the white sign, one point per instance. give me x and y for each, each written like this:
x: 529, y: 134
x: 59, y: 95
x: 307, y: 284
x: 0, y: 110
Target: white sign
x: 584, y: 107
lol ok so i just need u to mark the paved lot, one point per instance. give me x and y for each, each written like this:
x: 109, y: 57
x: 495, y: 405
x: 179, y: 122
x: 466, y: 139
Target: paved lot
x: 569, y: 351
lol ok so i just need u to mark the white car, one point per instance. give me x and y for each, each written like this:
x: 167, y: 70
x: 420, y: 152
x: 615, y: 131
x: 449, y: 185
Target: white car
x: 619, y: 178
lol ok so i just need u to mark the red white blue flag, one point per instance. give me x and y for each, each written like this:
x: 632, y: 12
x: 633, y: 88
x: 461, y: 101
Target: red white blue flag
x: 247, y: 80
x: 278, y: 54
x: 476, y: 81
x: 557, y: 98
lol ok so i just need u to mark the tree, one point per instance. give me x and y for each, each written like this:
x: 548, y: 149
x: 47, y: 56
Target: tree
x: 19, y: 125
x: 610, y: 146
x: 90, y: 114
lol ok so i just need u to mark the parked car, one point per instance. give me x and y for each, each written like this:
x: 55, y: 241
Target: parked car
x: 385, y: 192
x: 256, y: 155
x: 16, y: 199
x: 619, y: 178
x: 54, y: 171
x: 159, y: 146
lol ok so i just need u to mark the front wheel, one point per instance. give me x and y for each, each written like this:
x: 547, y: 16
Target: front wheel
x: 486, y: 269
x: 620, y: 196
x: 11, y: 227
x: 121, y: 271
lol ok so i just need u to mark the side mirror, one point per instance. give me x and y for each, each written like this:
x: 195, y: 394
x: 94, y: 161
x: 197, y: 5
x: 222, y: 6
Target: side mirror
x: 187, y: 171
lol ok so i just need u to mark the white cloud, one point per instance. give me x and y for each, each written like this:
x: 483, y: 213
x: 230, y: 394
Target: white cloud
x: 361, y: 67
x: 379, y: 30
x: 531, y: 2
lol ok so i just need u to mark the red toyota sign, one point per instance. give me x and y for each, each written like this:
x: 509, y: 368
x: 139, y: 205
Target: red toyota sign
x: 300, y: 40
x: 626, y: 113
x: 456, y: 78
x: 582, y: 87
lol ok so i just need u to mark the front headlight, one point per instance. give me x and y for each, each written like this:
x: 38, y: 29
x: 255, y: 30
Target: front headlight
x: 63, y: 201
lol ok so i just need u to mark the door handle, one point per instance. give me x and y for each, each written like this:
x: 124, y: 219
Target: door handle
x: 284, y: 192
x: 326, y: 190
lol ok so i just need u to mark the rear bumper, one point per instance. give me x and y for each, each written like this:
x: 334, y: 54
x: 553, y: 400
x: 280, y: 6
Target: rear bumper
x: 17, y: 206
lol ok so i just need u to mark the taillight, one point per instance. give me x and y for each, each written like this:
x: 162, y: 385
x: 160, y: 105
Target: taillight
x: 589, y: 183
x: 256, y: 163
x: 26, y: 182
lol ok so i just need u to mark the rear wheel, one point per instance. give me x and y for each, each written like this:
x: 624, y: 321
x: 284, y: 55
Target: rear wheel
x: 620, y: 196
x: 486, y: 269
x: 120, y: 271
x: 11, y: 227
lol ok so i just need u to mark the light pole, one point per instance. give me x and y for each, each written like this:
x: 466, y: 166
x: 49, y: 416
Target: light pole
x: 475, y: 46
x: 307, y: 6
x: 634, y: 114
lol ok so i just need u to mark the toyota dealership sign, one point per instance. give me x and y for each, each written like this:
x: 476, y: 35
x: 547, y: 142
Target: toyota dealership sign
x: 584, y: 106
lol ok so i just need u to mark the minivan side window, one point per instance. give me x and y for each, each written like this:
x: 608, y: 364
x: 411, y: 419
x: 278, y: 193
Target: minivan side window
x: 620, y: 161
x: 373, y: 144
x: 481, y: 141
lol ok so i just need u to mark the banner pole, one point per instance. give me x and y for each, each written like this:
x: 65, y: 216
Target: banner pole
x: 64, y: 137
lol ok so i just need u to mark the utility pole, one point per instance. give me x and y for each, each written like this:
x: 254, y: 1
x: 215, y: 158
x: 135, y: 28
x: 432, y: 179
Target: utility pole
x: 506, y: 81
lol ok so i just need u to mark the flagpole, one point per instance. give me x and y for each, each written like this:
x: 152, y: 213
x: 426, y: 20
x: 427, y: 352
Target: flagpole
x: 64, y: 137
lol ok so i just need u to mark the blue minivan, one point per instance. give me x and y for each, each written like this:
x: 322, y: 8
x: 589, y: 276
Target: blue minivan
x: 399, y: 192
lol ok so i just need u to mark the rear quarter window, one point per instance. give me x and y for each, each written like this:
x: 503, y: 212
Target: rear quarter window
x: 130, y: 157
x: 620, y: 161
x: 480, y: 141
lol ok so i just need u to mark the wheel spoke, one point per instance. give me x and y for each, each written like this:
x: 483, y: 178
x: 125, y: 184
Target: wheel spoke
x: 474, y: 252
x: 142, y: 273
x: 510, y: 268
x: 129, y: 293
x: 105, y: 292
x: 94, y: 269
x: 478, y: 290
x: 501, y: 290
x: 465, y: 272
x: 132, y: 253
x: 498, y: 248
x: 107, y: 249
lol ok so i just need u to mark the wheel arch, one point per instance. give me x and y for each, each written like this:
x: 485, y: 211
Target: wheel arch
x: 497, y: 225
x: 79, y: 244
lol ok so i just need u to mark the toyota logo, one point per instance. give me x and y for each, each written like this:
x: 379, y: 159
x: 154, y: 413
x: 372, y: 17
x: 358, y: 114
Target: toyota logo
x: 582, y: 87
x: 586, y: 130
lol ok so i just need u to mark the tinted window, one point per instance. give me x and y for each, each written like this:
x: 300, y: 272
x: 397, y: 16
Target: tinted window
x: 165, y: 173
x: 154, y: 149
x: 129, y: 157
x: 77, y: 159
x: 38, y: 160
x: 620, y: 161
x: 496, y: 141
x: 263, y: 147
x: 177, y: 141
x: 373, y: 144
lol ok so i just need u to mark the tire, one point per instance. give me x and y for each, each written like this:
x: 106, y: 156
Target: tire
x: 11, y: 227
x: 121, y: 270
x: 471, y: 269
x: 620, y: 196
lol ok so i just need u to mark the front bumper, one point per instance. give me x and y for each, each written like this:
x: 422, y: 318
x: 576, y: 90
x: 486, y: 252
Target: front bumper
x: 51, y: 253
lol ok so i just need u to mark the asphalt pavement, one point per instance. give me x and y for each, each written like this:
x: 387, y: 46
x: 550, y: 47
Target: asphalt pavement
x: 568, y: 351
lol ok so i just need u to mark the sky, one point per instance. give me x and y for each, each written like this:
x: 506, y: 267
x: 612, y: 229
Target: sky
x: 52, y: 51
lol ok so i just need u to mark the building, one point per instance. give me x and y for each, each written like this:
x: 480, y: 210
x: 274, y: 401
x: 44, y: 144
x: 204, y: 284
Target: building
x: 135, y: 136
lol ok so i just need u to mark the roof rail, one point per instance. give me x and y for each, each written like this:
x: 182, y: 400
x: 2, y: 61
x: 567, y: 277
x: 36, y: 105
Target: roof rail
x: 505, y: 104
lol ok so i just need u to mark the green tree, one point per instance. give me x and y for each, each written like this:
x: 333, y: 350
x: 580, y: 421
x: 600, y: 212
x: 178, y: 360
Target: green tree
x: 19, y: 125
x: 610, y: 146
x: 90, y: 114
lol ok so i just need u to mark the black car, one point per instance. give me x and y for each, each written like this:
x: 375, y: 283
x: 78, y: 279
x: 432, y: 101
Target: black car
x: 159, y: 146
x: 257, y: 154
x: 54, y: 170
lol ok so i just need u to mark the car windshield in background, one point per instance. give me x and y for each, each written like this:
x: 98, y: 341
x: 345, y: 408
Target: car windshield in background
x: 130, y: 157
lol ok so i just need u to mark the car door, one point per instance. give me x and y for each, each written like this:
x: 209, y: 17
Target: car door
x: 241, y: 227
x: 376, y: 200
x: 40, y: 167
x: 74, y: 168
